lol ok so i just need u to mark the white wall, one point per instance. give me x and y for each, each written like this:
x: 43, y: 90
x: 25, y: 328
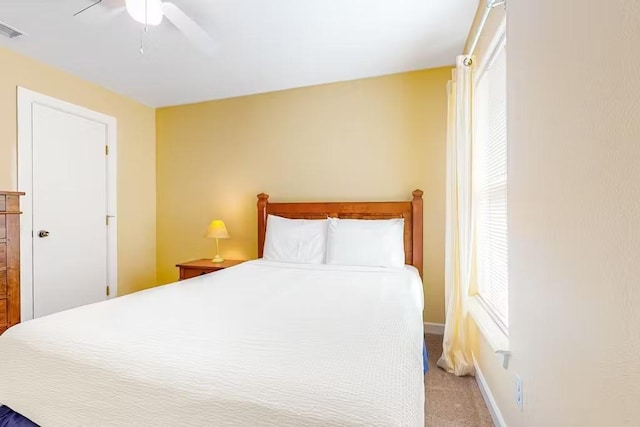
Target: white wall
x: 574, y: 211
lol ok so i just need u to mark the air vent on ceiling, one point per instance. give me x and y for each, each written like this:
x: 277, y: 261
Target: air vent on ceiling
x: 8, y: 31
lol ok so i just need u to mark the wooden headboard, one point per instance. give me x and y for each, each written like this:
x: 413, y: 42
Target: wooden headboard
x: 411, y: 211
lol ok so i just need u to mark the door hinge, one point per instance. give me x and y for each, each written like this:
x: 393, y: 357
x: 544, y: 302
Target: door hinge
x: 106, y: 150
x: 108, y: 290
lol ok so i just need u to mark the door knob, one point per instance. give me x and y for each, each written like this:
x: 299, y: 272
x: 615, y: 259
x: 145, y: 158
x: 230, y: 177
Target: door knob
x: 43, y: 233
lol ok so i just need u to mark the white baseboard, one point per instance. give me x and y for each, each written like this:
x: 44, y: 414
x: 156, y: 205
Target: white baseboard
x: 434, y: 328
x: 496, y: 415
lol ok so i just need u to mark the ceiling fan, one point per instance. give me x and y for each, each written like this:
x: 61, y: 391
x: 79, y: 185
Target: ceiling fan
x: 152, y: 12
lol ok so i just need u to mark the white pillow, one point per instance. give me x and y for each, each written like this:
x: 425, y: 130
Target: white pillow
x: 295, y: 240
x: 376, y: 243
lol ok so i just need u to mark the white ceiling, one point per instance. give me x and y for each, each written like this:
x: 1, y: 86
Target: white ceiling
x: 261, y: 45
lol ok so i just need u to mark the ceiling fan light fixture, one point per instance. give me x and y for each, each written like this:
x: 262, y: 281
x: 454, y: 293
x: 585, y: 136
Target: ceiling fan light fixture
x: 148, y: 12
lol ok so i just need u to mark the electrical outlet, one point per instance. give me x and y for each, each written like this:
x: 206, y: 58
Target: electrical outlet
x: 519, y: 393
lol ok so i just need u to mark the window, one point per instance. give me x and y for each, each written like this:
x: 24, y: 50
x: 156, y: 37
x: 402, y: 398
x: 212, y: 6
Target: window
x: 490, y: 184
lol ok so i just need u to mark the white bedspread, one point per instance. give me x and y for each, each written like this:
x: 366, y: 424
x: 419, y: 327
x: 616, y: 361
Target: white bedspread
x: 260, y: 344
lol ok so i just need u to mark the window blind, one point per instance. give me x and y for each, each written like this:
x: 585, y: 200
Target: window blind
x: 490, y: 186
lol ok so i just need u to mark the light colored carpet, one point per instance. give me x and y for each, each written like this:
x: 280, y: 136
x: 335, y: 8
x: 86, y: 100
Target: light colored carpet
x: 451, y: 401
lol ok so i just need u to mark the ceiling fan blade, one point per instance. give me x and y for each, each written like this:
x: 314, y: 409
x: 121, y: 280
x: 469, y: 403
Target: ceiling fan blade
x: 189, y: 27
x: 115, y: 12
x: 110, y: 8
x: 88, y: 7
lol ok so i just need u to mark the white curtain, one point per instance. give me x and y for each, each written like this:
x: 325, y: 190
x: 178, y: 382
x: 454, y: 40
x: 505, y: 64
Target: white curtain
x: 456, y: 355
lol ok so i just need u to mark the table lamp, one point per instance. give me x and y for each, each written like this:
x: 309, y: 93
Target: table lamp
x: 217, y: 230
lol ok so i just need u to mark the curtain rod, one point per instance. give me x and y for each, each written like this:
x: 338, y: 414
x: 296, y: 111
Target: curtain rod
x: 483, y: 21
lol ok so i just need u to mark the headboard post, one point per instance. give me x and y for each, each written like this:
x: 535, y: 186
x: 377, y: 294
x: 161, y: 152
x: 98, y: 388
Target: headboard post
x: 417, y: 217
x: 263, y: 200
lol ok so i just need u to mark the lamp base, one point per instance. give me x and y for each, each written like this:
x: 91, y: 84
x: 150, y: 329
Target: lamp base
x: 217, y: 259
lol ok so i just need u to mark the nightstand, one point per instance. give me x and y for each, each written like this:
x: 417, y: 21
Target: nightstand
x: 204, y: 266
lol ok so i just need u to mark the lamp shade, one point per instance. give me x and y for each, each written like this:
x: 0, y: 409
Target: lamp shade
x: 217, y: 230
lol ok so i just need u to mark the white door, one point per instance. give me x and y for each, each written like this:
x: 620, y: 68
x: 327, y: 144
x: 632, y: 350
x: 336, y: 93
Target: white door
x: 69, y: 199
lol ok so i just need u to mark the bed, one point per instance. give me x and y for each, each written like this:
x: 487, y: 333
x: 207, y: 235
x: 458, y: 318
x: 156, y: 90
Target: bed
x: 262, y: 344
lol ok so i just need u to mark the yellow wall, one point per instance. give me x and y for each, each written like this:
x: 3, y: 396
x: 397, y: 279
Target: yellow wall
x: 372, y: 139
x: 136, y: 156
x: 574, y: 217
